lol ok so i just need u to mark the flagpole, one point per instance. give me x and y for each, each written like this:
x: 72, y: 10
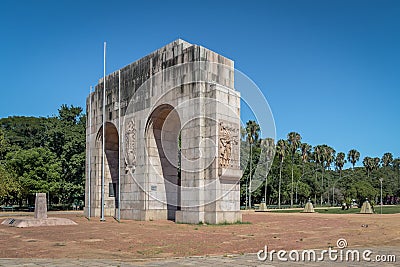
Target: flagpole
x: 119, y: 145
x: 89, y: 148
x: 104, y: 134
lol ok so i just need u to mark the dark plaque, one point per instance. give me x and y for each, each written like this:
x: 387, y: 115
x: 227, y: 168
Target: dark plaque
x: 112, y: 189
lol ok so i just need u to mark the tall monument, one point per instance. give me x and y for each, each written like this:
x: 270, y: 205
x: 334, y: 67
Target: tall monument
x: 172, y: 139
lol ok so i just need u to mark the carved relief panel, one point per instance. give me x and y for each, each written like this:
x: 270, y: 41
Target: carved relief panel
x: 130, y: 148
x: 228, y: 145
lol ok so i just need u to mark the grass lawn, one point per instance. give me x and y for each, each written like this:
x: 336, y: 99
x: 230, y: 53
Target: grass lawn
x: 385, y: 210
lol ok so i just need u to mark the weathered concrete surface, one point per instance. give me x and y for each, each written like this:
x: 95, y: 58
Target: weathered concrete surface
x: 40, y: 206
x: 183, y: 90
x: 366, y: 208
x: 309, y: 208
x: 32, y: 222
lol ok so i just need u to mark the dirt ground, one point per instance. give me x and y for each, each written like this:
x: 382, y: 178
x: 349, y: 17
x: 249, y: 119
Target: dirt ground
x: 131, y: 240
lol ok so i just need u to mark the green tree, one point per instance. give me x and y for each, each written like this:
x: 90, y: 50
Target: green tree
x: 305, y: 158
x: 339, y: 162
x: 252, y: 130
x: 361, y: 190
x: 387, y: 159
x: 66, y: 138
x: 3, y: 145
x: 304, y: 191
x: 319, y: 163
x: 37, y: 170
x: 24, y: 132
x: 71, y: 115
x: 63, y: 135
x: 371, y: 164
x: 267, y: 154
x: 396, y: 169
x: 353, y: 156
x: 9, y: 187
x: 281, y: 151
x: 294, y: 141
x: 328, y: 155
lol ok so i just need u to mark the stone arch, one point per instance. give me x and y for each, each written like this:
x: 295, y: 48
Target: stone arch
x: 163, y: 153
x: 111, y: 167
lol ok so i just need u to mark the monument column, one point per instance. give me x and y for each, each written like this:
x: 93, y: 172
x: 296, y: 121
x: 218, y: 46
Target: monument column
x: 40, y: 206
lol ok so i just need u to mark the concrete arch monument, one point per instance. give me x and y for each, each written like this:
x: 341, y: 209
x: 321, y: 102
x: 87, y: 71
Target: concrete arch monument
x: 178, y: 139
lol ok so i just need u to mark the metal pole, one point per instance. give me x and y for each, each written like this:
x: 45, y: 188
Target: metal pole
x: 119, y: 145
x: 104, y: 135
x: 381, y: 180
x: 266, y: 184
x: 245, y: 202
x: 251, y: 159
x: 89, y: 148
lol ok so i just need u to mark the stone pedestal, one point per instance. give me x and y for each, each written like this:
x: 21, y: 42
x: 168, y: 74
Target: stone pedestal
x: 309, y: 208
x: 366, y: 208
x: 263, y: 207
x: 41, y: 206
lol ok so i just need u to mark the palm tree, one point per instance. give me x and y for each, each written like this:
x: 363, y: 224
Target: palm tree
x: 339, y: 162
x: 318, y: 159
x: 305, y: 157
x: 376, y: 163
x: 353, y: 156
x: 281, y: 150
x: 368, y: 163
x: 396, y: 166
x: 252, y: 129
x: 387, y: 159
x: 268, y: 148
x: 328, y: 156
x: 243, y: 132
x: 294, y: 141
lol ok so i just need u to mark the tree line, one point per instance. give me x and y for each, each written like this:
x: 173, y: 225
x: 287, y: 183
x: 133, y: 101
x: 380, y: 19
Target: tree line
x: 300, y: 171
x: 43, y: 155
x: 48, y: 155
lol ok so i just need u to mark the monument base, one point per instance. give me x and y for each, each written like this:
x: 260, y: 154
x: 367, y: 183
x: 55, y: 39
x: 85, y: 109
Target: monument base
x: 218, y: 217
x: 32, y: 222
x: 309, y: 208
x: 263, y: 207
x: 366, y: 208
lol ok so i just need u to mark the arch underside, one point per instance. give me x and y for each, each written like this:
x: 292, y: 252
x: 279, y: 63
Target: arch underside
x: 162, y: 134
x: 110, y: 168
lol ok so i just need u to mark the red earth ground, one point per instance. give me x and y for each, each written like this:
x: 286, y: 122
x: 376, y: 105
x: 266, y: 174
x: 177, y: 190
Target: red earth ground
x: 133, y: 240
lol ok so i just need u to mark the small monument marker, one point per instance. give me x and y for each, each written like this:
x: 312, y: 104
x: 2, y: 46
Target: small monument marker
x: 366, y: 207
x: 40, y: 206
x: 40, y: 217
x: 309, y: 208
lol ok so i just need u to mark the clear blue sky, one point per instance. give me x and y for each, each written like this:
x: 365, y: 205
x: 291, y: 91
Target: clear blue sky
x: 330, y: 70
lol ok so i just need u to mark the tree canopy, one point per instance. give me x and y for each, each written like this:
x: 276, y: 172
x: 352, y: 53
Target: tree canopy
x: 48, y: 155
x: 43, y: 155
x: 300, y: 171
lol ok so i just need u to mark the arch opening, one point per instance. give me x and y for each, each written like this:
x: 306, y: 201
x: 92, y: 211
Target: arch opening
x: 111, y: 167
x: 163, y: 150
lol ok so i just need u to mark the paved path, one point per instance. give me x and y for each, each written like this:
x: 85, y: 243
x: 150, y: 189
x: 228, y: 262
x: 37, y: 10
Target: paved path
x: 214, y: 261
